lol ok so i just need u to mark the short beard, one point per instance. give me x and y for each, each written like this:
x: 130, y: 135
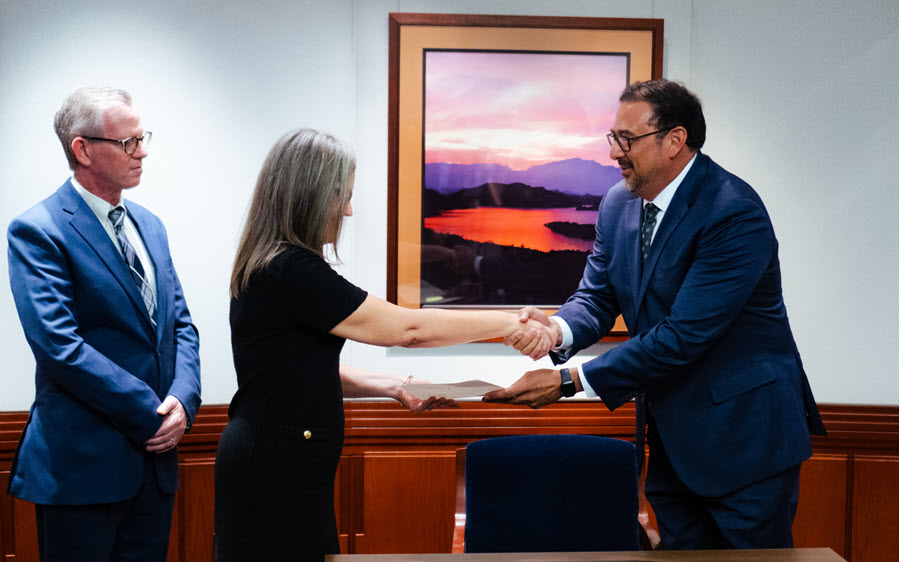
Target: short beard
x: 637, y: 185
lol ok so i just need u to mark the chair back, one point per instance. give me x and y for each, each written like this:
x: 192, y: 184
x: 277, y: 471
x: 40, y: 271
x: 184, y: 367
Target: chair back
x: 551, y: 493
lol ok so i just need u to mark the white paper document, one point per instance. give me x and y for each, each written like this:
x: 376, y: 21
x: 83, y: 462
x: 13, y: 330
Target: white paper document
x: 455, y: 390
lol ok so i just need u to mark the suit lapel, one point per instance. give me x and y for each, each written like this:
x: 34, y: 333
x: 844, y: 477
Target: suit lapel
x: 85, y: 223
x: 633, y: 241
x: 678, y: 208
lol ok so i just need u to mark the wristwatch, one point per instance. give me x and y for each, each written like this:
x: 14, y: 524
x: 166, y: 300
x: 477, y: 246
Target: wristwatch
x: 567, y: 388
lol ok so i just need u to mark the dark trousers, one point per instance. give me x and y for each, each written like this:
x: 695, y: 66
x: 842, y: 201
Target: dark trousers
x: 132, y: 530
x: 757, y: 516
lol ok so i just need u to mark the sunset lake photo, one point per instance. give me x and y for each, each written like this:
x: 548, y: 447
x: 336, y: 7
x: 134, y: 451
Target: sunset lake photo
x: 516, y: 162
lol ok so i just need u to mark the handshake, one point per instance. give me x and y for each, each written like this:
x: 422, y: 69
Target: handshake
x: 532, y: 334
x: 535, y: 338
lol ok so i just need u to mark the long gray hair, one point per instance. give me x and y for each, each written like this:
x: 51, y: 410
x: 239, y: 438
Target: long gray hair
x: 82, y: 115
x: 299, y: 200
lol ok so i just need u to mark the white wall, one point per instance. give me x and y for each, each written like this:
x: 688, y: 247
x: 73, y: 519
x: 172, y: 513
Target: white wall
x: 801, y: 100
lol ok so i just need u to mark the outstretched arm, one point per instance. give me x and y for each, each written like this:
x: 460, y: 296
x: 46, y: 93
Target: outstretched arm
x: 535, y: 389
x: 359, y: 383
x: 378, y: 322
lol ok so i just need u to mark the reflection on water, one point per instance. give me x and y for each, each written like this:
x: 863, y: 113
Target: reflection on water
x: 513, y: 227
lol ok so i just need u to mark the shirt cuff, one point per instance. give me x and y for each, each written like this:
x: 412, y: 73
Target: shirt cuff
x: 567, y: 336
x: 588, y: 390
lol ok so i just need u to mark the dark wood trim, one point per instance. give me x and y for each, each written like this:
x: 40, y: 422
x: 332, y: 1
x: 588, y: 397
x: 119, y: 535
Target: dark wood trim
x: 852, y: 429
x: 848, y: 508
x: 556, y: 22
x: 393, y: 153
x: 396, y: 445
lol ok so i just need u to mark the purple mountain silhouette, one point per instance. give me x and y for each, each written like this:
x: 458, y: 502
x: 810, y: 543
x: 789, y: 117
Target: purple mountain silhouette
x: 575, y: 175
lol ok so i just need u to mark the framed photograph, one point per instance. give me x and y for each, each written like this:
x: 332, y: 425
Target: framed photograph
x: 497, y: 152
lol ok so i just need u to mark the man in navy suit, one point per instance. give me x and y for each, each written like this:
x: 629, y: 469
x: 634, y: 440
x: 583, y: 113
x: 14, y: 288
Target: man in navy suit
x: 117, y: 377
x: 686, y: 253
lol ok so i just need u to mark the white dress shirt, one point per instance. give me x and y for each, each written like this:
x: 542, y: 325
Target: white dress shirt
x: 101, y: 209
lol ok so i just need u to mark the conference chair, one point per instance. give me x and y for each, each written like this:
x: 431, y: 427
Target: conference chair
x: 547, y: 493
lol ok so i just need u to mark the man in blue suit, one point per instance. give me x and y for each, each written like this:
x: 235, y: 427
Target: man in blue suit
x: 686, y: 253
x: 117, y: 378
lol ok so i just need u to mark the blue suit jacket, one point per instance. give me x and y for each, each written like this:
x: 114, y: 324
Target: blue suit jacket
x: 710, y: 340
x: 101, y: 367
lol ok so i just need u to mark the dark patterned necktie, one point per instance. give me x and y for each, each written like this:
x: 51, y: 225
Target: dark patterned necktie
x: 650, y: 211
x: 117, y: 217
x: 640, y: 399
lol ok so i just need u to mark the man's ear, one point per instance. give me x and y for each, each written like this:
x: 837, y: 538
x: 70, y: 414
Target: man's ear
x: 676, y: 141
x: 80, y: 150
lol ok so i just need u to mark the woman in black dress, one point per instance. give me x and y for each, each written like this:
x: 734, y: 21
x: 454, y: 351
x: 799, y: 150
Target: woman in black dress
x: 290, y: 315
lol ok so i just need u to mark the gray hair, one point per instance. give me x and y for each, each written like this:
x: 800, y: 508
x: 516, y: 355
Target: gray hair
x: 302, y: 190
x: 82, y: 115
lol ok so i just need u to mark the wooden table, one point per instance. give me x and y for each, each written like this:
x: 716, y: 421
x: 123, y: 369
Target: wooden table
x: 785, y: 555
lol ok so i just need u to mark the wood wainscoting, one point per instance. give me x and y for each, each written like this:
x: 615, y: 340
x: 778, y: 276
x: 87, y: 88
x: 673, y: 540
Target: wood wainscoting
x: 396, y: 485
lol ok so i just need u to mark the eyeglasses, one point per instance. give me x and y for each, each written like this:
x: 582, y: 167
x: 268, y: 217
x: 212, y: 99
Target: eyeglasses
x: 129, y: 144
x: 628, y: 140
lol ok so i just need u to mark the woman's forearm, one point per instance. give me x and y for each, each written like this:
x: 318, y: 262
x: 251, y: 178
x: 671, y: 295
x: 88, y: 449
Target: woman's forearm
x: 360, y: 383
x: 438, y: 328
x: 378, y: 322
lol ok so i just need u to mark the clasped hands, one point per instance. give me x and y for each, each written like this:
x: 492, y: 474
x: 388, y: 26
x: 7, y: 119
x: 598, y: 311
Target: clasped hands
x: 536, y: 338
x: 172, y: 429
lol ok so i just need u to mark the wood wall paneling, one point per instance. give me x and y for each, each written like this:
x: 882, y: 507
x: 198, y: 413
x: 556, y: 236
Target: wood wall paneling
x: 196, y: 504
x: 395, y: 490
x: 874, y: 509
x: 822, y: 511
x: 6, y: 531
x: 408, y: 502
x: 25, y: 535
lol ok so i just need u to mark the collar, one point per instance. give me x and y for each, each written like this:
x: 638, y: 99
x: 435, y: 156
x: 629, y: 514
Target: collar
x: 665, y: 196
x: 99, y: 206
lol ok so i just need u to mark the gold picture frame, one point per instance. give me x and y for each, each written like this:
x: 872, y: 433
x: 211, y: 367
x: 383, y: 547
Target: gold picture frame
x: 410, y: 36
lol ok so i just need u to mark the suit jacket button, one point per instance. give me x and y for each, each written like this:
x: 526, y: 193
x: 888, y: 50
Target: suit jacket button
x: 307, y: 434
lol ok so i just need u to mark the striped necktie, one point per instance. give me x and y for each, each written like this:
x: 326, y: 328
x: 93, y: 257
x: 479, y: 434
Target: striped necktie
x: 117, y: 217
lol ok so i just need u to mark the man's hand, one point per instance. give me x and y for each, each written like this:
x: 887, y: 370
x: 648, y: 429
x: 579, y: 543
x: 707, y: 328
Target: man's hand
x: 538, y: 335
x: 172, y: 429
x: 535, y: 388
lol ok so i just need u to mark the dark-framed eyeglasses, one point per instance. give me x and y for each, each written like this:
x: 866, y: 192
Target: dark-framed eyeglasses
x: 129, y: 144
x: 625, y: 142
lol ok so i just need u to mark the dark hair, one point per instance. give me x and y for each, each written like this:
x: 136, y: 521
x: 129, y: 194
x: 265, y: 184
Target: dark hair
x: 673, y: 106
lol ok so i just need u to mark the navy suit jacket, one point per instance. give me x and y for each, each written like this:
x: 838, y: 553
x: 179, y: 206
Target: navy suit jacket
x: 710, y: 340
x: 101, y: 367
